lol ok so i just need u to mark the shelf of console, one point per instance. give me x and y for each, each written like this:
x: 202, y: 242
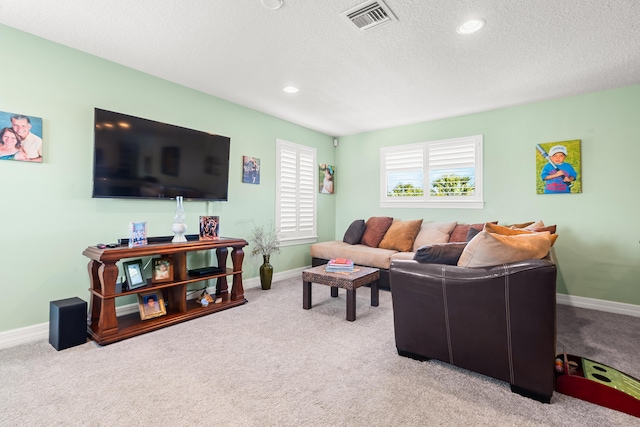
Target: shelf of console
x: 152, y: 287
x: 130, y: 325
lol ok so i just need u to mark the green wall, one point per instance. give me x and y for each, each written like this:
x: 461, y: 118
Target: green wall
x: 48, y: 214
x: 598, y: 247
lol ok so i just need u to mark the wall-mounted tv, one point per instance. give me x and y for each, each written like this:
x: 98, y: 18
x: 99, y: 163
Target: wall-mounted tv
x: 140, y: 158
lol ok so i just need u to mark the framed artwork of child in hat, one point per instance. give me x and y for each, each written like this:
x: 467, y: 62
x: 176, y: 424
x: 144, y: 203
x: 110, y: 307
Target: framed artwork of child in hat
x: 558, y: 167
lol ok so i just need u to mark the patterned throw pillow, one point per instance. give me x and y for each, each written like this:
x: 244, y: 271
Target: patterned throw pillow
x: 354, y: 233
x: 374, y: 231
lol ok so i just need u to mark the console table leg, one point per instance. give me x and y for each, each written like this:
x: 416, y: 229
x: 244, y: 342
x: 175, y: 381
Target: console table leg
x: 237, y: 290
x: 306, y: 295
x: 351, y: 305
x: 334, y: 291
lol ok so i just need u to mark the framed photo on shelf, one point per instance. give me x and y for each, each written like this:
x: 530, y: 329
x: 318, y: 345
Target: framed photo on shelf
x: 137, y: 234
x: 133, y: 271
x: 162, y: 270
x: 209, y: 227
x: 151, y: 304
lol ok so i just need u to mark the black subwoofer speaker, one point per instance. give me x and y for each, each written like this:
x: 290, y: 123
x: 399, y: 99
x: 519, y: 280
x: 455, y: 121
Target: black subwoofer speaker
x: 67, y: 323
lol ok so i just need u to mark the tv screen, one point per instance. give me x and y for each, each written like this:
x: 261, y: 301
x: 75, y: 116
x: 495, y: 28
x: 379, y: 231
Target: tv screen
x: 140, y: 158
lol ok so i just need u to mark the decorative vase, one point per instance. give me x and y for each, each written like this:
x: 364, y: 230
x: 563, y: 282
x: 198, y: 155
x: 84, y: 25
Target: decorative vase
x: 266, y: 273
x: 179, y: 227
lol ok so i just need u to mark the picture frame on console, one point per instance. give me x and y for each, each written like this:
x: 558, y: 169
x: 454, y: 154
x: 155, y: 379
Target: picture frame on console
x: 137, y: 234
x: 209, y: 227
x: 162, y: 270
x: 134, y: 273
x: 151, y: 305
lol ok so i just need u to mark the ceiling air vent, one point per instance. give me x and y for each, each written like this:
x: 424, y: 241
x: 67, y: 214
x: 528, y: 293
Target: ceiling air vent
x: 369, y: 15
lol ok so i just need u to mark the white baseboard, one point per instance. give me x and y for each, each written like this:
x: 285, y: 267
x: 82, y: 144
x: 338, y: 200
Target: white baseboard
x: 41, y: 331
x: 599, y: 304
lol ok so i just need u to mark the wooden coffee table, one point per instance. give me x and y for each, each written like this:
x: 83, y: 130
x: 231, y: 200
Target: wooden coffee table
x: 349, y: 281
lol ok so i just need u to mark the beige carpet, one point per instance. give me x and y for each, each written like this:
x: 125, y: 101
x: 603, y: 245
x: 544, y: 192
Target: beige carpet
x: 271, y: 363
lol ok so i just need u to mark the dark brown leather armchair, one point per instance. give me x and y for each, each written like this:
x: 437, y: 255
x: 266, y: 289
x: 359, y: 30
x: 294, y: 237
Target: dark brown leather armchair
x: 499, y: 321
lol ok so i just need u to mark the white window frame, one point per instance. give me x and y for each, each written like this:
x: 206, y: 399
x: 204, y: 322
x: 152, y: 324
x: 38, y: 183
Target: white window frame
x: 417, y: 158
x: 296, y: 188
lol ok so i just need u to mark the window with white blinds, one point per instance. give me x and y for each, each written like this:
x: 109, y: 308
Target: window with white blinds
x: 296, y: 192
x: 445, y: 173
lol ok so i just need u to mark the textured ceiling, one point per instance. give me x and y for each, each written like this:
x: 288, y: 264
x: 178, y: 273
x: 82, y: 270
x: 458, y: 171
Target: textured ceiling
x: 414, y: 70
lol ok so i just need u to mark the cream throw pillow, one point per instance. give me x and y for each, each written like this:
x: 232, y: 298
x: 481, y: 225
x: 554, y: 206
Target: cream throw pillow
x: 488, y: 249
x: 433, y: 233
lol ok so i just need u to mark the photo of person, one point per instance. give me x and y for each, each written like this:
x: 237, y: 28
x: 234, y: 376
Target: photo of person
x: 209, y: 227
x: 250, y: 170
x: 20, y: 137
x: 150, y: 305
x: 162, y: 270
x: 558, y: 169
x: 137, y: 234
x: 326, y: 177
x: 10, y: 145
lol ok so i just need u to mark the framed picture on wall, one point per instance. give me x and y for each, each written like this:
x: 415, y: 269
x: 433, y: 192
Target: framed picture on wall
x: 559, y: 167
x: 20, y: 137
x: 250, y: 170
x: 326, y: 178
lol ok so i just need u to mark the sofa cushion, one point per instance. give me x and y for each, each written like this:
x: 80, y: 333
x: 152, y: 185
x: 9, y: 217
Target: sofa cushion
x: 539, y: 226
x: 459, y: 233
x: 472, y: 233
x: 487, y: 249
x: 520, y: 225
x: 360, y: 254
x: 354, y: 232
x: 432, y: 233
x: 444, y: 253
x: 375, y: 229
x: 493, y: 228
x: 401, y: 235
x: 403, y: 255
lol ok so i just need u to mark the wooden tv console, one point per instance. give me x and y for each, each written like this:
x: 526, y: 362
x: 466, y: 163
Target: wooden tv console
x: 105, y: 327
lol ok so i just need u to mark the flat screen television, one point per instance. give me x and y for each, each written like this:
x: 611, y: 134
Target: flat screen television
x: 140, y: 158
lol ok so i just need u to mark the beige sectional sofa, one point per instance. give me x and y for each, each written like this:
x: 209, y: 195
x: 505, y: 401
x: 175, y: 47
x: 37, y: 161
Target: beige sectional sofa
x: 381, y: 240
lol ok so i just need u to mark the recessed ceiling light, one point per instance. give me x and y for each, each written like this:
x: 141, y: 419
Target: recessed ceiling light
x: 471, y: 26
x: 290, y: 89
x: 272, y: 4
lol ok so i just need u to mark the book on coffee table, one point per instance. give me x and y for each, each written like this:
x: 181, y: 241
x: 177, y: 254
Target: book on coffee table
x: 339, y: 265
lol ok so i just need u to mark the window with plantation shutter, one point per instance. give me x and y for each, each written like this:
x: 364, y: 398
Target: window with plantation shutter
x: 439, y: 174
x: 296, y: 192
